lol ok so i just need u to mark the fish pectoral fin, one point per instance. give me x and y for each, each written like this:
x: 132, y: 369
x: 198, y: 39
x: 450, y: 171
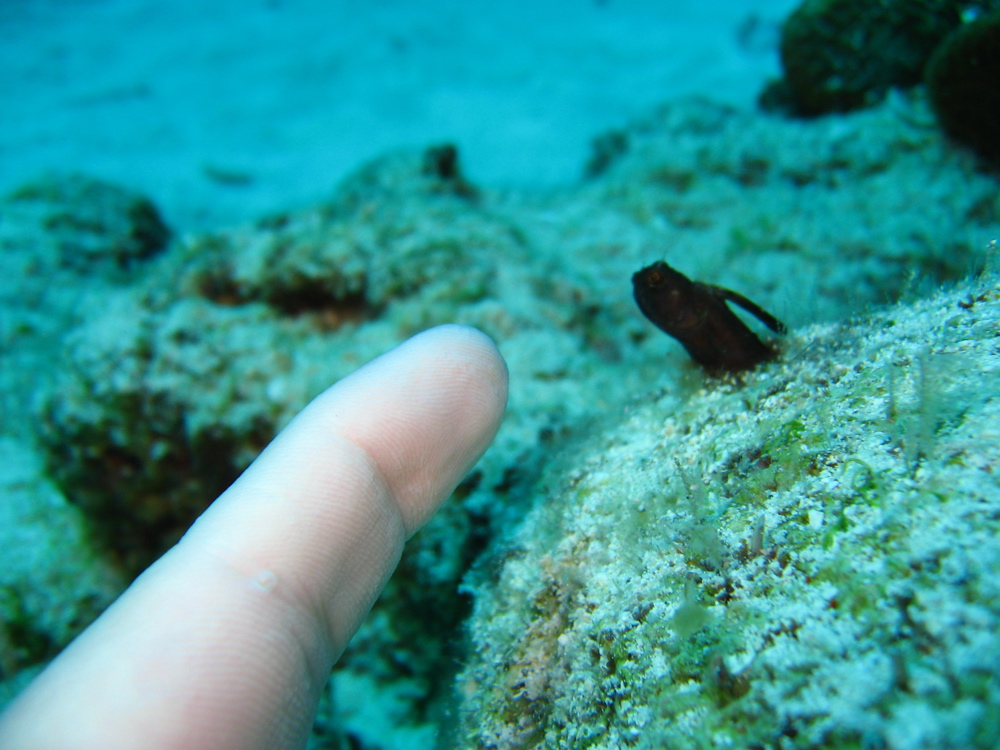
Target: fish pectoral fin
x: 751, y: 307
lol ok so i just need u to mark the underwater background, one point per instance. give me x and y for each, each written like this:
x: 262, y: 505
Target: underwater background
x: 213, y: 210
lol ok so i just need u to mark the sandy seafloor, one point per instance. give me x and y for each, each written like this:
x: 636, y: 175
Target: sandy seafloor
x: 222, y: 112
x: 294, y: 93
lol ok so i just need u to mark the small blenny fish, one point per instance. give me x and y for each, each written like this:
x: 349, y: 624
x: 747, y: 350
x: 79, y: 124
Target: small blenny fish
x: 697, y: 315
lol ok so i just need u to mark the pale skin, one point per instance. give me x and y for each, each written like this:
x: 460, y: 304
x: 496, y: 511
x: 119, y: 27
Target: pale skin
x: 227, y: 640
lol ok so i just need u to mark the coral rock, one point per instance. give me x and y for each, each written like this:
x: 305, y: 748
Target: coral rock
x: 963, y: 80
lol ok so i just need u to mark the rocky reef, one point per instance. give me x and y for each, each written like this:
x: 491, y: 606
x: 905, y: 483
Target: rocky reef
x: 181, y: 366
x: 839, y: 55
x: 842, y: 55
x: 963, y: 80
x: 87, y: 224
x: 803, y: 558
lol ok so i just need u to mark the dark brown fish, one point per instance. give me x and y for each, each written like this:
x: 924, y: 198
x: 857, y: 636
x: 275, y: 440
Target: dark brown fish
x: 697, y: 315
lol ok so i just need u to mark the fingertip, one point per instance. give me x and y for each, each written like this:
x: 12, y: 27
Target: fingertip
x: 448, y: 388
x: 488, y: 369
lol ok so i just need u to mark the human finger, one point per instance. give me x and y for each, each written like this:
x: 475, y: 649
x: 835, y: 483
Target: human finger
x: 227, y: 640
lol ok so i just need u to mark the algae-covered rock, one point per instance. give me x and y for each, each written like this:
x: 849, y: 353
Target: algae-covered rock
x: 751, y: 202
x: 163, y: 408
x: 393, y: 229
x: 53, y: 582
x: 85, y: 224
x: 815, y: 219
x: 805, y: 557
x: 963, y: 81
x: 839, y: 55
x: 174, y: 383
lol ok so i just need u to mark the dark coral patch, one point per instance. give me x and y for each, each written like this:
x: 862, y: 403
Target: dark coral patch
x: 963, y: 81
x: 840, y: 55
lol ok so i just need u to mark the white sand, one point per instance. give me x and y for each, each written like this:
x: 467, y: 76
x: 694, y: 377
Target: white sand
x: 292, y: 94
